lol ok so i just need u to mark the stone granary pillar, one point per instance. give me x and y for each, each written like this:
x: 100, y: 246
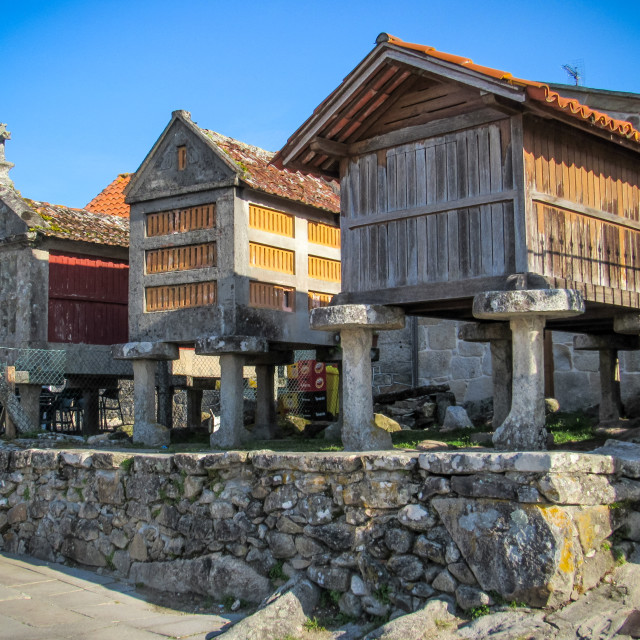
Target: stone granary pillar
x: 607, y: 347
x: 526, y: 310
x: 30, y: 401
x: 356, y: 324
x: 266, y: 423
x: 233, y: 351
x: 144, y: 357
x: 498, y: 335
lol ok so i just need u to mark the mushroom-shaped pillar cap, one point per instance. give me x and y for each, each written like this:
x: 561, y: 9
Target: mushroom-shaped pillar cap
x: 550, y: 303
x: 357, y: 316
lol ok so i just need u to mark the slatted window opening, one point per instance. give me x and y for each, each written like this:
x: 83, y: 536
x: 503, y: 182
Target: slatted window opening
x: 324, y: 234
x: 265, y: 257
x: 324, y: 269
x: 181, y: 296
x: 318, y: 299
x: 271, y: 220
x: 193, y: 256
x: 181, y: 220
x: 271, y: 296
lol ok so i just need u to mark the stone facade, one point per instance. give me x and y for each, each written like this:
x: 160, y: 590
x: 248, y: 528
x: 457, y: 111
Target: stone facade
x: 385, y: 530
x: 466, y: 366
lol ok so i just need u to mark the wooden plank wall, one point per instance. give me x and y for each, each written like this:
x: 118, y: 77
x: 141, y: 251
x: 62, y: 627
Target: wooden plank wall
x: 583, y: 212
x: 436, y: 210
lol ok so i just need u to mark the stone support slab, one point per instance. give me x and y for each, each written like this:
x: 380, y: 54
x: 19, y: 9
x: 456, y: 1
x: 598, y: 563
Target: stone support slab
x: 231, y: 432
x: 217, y: 345
x: 527, y: 310
x: 356, y: 324
x: 146, y: 430
x: 145, y: 351
x: 628, y: 323
x: 498, y: 335
x: 333, y: 355
x: 266, y: 394
x: 588, y: 342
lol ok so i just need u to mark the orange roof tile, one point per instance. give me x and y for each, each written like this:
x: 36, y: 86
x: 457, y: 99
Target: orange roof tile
x: 535, y: 90
x: 258, y: 173
x: 111, y: 199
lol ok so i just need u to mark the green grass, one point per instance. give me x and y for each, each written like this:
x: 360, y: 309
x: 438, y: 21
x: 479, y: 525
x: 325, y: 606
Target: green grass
x: 276, y: 572
x: 312, y: 624
x: 478, y: 612
x: 570, y: 427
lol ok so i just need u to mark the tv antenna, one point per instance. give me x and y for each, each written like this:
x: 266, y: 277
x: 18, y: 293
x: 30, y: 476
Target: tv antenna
x: 575, y: 70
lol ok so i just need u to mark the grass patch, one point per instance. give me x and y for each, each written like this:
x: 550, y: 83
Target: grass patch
x: 126, y: 464
x: 312, y: 624
x: 276, y: 572
x: 573, y: 426
x: 478, y: 612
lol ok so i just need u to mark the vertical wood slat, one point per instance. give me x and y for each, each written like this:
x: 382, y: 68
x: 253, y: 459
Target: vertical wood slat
x: 323, y: 234
x: 195, y: 256
x: 318, y: 299
x: 181, y: 220
x: 263, y: 295
x: 180, y: 296
x: 324, y: 269
x: 271, y: 258
x: 272, y: 221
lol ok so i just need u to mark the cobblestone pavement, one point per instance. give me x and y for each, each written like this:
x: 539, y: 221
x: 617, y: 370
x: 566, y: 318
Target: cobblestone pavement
x: 47, y: 601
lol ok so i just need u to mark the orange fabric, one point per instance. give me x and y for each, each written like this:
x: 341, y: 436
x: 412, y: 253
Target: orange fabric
x: 111, y: 199
x: 535, y: 90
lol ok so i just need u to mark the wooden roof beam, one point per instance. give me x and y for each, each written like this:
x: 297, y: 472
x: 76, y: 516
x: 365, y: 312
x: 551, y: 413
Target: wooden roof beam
x: 329, y: 147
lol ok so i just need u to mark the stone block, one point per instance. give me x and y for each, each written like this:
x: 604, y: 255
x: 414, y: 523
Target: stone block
x: 523, y: 552
x: 213, y: 345
x: 471, y: 349
x: 443, y: 336
x: 463, y: 368
x: 562, y: 357
x: 576, y: 390
x: 479, y: 389
x: 434, y: 364
x: 456, y: 418
x: 586, y: 361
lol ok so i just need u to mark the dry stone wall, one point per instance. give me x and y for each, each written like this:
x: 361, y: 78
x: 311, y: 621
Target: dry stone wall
x: 384, y: 531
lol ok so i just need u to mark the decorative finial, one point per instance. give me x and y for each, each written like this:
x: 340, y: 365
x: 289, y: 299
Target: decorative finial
x: 5, y: 166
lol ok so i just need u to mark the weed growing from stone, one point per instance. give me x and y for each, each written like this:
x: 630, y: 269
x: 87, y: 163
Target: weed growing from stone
x: 381, y: 594
x: 478, y: 612
x: 26, y: 494
x: 442, y: 624
x: 126, y: 464
x: 619, y: 557
x: 109, y: 561
x: 79, y: 492
x: 606, y: 546
x: 276, y: 572
x: 312, y: 624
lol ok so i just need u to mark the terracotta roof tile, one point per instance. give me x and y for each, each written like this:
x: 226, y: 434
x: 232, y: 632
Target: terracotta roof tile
x: 535, y: 90
x: 260, y: 174
x: 81, y: 225
x: 111, y: 199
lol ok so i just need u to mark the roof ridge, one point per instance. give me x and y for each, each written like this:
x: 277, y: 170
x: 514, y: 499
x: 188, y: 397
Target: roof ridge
x: 538, y: 91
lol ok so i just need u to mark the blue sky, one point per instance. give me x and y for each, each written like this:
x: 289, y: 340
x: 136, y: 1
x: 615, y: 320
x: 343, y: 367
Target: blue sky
x: 88, y: 86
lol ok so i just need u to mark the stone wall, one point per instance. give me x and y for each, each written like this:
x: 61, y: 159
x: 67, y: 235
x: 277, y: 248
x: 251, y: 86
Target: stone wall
x: 466, y: 366
x: 385, y: 531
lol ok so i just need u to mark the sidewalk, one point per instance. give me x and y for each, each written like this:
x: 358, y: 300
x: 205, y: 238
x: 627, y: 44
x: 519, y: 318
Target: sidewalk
x: 47, y: 601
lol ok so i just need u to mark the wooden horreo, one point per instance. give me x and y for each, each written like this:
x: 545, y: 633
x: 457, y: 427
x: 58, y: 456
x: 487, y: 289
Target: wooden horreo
x: 455, y: 177
x: 469, y: 194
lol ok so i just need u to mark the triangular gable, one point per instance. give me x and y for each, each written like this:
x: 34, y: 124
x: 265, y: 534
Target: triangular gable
x: 159, y: 176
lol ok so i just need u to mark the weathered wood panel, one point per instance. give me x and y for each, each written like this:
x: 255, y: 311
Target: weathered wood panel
x: 583, y: 212
x: 263, y: 295
x: 271, y: 220
x: 181, y: 220
x: 192, y: 256
x: 271, y: 258
x: 437, y: 210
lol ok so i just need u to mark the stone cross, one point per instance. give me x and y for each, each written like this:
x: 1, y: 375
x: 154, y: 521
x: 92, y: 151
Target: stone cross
x: 5, y: 166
